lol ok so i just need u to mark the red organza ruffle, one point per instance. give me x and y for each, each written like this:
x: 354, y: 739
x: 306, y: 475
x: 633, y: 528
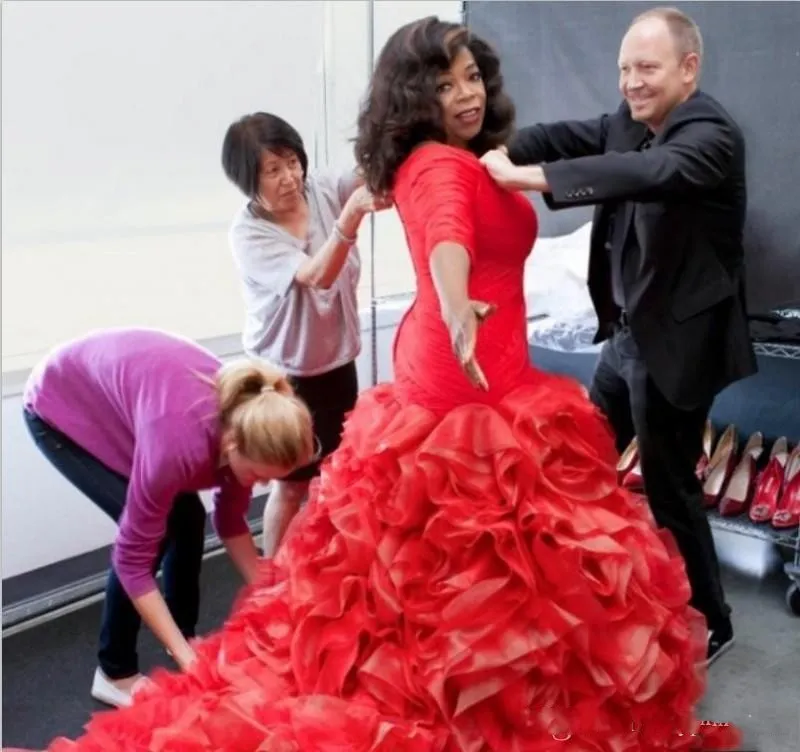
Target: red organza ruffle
x: 475, y: 582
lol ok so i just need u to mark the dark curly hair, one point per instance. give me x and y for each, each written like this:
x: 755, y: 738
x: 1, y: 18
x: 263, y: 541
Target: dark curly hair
x: 402, y: 110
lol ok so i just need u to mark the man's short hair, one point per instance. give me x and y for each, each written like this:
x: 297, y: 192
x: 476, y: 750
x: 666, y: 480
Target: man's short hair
x: 683, y: 29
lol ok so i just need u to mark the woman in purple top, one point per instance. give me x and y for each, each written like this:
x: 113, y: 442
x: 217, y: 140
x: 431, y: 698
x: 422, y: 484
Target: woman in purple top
x: 140, y: 421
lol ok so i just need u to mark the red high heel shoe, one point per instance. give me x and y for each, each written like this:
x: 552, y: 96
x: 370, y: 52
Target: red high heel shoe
x: 627, y: 460
x: 708, y: 444
x: 787, y: 514
x: 740, y: 488
x: 770, y: 483
x: 720, y: 466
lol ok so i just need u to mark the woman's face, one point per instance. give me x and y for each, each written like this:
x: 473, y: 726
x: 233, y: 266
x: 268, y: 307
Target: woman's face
x: 248, y: 472
x: 280, y: 182
x: 462, y: 96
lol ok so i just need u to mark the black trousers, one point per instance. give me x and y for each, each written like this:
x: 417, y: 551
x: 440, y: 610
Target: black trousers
x: 330, y: 397
x: 180, y: 556
x: 670, y: 444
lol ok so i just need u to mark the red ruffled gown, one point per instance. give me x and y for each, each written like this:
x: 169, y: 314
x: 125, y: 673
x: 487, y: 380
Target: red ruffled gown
x: 467, y: 575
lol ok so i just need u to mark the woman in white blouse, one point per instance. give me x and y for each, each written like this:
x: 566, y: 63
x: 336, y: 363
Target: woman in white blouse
x: 293, y: 241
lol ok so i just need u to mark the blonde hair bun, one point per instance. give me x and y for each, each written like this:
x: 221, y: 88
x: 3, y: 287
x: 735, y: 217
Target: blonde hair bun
x: 268, y: 422
x: 250, y: 378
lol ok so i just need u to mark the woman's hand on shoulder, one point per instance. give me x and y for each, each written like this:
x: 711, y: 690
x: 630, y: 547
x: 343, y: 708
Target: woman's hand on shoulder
x: 360, y: 203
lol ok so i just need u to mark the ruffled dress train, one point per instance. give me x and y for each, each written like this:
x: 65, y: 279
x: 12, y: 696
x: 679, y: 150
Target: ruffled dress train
x: 470, y: 582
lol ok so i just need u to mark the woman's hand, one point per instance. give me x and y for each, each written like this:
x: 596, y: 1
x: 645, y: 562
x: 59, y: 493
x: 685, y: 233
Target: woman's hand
x: 320, y: 270
x: 463, y: 327
x: 362, y: 202
x: 185, y: 657
x: 154, y: 612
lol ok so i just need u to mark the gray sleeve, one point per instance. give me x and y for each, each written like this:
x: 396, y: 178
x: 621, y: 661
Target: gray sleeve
x: 337, y: 187
x: 347, y: 184
x: 263, y: 258
x: 342, y: 185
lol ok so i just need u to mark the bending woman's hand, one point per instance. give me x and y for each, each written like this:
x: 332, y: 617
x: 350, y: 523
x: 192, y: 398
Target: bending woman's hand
x: 156, y: 615
x: 463, y: 326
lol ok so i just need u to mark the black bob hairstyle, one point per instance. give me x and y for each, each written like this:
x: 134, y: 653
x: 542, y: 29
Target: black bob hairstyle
x: 248, y: 138
x: 402, y: 110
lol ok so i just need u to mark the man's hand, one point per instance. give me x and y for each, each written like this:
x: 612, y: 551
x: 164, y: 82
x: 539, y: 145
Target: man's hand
x: 501, y: 168
x: 513, y: 177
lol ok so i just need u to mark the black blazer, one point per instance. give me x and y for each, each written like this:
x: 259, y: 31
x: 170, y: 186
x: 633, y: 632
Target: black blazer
x: 686, y: 302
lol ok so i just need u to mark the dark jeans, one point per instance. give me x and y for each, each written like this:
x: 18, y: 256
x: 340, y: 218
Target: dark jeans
x: 180, y: 556
x: 670, y: 443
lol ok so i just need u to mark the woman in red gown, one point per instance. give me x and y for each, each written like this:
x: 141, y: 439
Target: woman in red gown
x: 467, y: 575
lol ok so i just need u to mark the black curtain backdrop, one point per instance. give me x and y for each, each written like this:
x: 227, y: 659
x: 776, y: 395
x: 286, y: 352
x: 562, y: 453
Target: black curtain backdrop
x: 560, y: 61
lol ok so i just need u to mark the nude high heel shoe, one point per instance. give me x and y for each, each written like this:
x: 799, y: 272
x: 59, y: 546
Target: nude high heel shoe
x: 627, y: 460
x: 709, y: 434
x: 634, y: 480
x: 741, y: 486
x: 721, y: 466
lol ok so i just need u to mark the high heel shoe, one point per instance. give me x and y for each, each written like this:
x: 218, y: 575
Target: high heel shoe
x: 627, y: 460
x: 629, y: 468
x: 720, y: 466
x: 787, y: 514
x: 708, y: 444
x: 770, y: 483
x: 740, y: 488
x: 634, y: 480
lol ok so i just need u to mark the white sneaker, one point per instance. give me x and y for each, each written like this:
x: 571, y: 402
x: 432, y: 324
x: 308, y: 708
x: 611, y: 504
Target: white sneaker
x: 105, y: 691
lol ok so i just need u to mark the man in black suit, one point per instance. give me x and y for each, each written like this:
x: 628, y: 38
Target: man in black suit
x: 666, y: 172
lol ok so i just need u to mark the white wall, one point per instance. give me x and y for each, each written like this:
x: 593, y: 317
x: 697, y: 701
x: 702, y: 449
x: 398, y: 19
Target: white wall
x: 115, y: 208
x: 114, y: 205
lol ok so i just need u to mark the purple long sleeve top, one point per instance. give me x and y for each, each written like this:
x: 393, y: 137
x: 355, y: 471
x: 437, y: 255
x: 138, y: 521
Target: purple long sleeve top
x: 136, y: 400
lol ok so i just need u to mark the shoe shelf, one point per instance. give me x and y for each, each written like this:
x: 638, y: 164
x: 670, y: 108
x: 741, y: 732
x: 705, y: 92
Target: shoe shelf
x: 777, y: 350
x: 741, y: 524
x: 760, y: 531
x: 753, y: 491
x: 784, y: 538
x: 789, y: 539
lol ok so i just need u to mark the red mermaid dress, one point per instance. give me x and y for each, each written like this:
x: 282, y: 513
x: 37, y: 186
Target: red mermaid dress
x: 467, y: 576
